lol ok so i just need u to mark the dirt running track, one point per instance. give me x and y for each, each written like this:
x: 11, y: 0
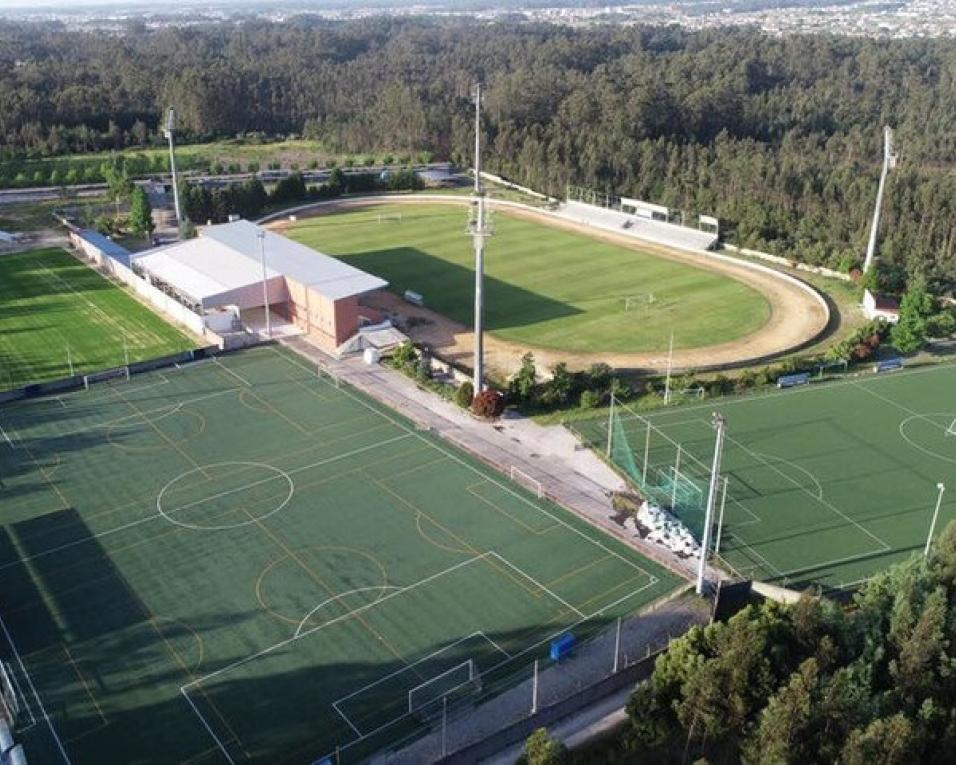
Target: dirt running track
x: 798, y: 314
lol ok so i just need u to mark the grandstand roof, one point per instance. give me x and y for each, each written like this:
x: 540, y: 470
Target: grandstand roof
x: 222, y: 265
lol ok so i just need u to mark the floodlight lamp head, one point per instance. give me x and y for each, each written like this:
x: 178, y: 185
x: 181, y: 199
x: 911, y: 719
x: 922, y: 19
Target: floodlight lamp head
x: 171, y: 119
x: 941, y: 487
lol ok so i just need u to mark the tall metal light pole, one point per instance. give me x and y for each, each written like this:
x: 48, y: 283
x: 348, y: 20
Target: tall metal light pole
x: 168, y: 132
x: 261, y: 235
x: 932, y: 526
x: 720, y: 424
x: 889, y: 162
x: 480, y: 231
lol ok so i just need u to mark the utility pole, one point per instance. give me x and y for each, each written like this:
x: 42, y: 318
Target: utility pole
x: 480, y: 231
x: 261, y: 235
x: 720, y: 424
x: 168, y: 132
x: 889, y: 162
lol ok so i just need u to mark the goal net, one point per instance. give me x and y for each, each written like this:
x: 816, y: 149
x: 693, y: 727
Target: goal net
x: 390, y: 218
x: 459, y: 678
x: 120, y: 374
x: 519, y: 476
x: 664, y: 471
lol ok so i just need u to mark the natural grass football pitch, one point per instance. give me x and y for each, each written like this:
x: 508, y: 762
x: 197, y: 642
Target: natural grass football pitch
x: 239, y: 560
x: 545, y: 287
x: 54, y: 309
x: 827, y: 484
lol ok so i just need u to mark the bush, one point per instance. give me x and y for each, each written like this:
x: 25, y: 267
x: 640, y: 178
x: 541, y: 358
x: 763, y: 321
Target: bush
x: 464, y: 394
x: 489, y: 404
x: 942, y: 324
x: 591, y: 399
x: 404, y: 355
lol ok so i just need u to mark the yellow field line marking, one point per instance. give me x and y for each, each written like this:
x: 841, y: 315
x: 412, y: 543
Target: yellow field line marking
x: 86, y: 686
x: 271, y: 408
x: 578, y: 570
x: 607, y: 592
x: 530, y: 529
x: 162, y: 435
x: 411, y: 505
x: 279, y: 541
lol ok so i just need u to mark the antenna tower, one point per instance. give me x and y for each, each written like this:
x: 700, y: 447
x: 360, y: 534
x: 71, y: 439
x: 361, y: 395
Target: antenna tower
x: 168, y: 133
x: 889, y: 162
x: 480, y: 229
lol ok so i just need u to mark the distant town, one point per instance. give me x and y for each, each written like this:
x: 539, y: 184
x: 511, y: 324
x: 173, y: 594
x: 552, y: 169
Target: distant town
x: 867, y: 18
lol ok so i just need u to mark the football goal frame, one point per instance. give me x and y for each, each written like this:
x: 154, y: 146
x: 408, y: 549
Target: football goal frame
x: 950, y: 432
x: 323, y: 372
x: 464, y: 669
x: 389, y: 217
x: 107, y: 375
x: 640, y: 302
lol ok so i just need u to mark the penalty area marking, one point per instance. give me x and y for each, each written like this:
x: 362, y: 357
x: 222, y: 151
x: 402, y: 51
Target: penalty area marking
x: 929, y: 417
x: 277, y: 474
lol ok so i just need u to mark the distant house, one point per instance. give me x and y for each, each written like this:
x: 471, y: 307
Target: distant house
x: 884, y: 307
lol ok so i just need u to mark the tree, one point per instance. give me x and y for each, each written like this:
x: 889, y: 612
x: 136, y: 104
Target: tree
x: 117, y: 181
x: 522, y: 387
x: 916, y: 307
x: 542, y: 749
x: 141, y: 213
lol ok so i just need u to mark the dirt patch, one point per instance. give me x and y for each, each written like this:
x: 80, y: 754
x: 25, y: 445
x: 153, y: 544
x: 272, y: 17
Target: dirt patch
x: 796, y: 316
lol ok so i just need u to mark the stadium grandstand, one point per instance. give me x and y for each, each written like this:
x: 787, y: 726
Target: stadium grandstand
x: 642, y: 220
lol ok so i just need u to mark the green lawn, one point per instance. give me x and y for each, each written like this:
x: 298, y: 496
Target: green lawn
x: 545, y: 287
x: 240, y: 561
x: 827, y: 484
x: 54, y: 309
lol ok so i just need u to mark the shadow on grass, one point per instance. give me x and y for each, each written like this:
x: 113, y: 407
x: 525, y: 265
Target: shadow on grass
x: 448, y: 288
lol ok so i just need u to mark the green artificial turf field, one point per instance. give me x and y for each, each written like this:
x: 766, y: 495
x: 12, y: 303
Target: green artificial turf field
x: 545, y: 287
x: 241, y: 561
x: 54, y: 309
x: 827, y: 484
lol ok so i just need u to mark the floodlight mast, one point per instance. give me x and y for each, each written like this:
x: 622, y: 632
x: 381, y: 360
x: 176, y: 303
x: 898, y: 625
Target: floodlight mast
x: 720, y: 425
x: 479, y: 230
x: 168, y: 132
x: 889, y: 162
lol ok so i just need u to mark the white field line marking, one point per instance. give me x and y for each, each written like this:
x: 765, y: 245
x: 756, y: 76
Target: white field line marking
x: 756, y: 554
x: 284, y: 474
x: 353, y: 612
x: 432, y: 655
x: 238, y: 376
x: 163, y: 410
x: 824, y: 502
x: 156, y: 516
x: 487, y: 477
x: 381, y: 587
x: 52, y: 550
x: 861, y: 383
x: 888, y: 400
x: 7, y: 438
x: 96, y: 309
x: 18, y: 689
x: 551, y: 636
x: 202, y: 719
x: 345, y: 717
x: 36, y: 695
x: 536, y: 583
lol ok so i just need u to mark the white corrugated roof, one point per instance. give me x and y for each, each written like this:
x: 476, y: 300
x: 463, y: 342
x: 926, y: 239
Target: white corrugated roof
x: 226, y: 258
x: 324, y: 274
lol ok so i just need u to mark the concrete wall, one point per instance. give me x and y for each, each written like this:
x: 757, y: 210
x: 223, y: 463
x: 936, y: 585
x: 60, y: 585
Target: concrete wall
x: 158, y: 299
x: 822, y: 270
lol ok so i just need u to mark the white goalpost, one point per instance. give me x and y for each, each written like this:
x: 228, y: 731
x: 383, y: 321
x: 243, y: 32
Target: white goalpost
x: 439, y: 686
x: 951, y: 430
x: 390, y: 217
x: 639, y: 302
x: 119, y: 373
x: 519, y: 476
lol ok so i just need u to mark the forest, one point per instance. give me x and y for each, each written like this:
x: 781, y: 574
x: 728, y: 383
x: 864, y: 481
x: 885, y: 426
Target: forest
x: 781, y: 137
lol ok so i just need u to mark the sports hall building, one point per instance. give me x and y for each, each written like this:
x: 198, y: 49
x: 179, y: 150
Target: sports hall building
x: 220, y: 272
